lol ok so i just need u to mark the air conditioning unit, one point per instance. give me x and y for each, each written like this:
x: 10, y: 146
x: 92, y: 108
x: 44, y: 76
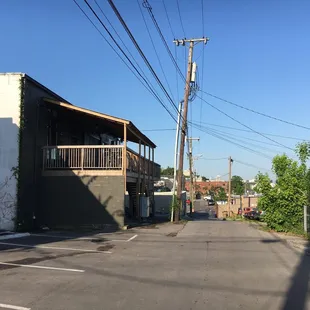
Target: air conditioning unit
x: 145, y: 206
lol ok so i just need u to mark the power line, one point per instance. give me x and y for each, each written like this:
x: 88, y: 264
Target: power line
x: 232, y: 142
x: 245, y: 130
x: 203, y: 19
x: 120, y: 38
x: 213, y: 158
x: 234, y: 128
x: 141, y: 53
x: 149, y: 8
x: 203, y: 62
x: 178, y: 6
x: 160, y: 129
x: 233, y: 135
x: 147, y: 86
x: 155, y: 50
x: 203, y: 54
x: 250, y: 165
x: 168, y: 19
x: 246, y: 142
x: 256, y: 112
x: 235, y: 120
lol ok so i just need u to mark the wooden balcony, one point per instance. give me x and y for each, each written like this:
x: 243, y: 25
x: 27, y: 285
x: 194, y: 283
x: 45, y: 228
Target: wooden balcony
x: 98, y: 160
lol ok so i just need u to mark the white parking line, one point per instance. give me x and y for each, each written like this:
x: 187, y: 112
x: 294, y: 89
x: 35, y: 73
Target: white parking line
x: 6, y: 306
x: 75, y: 238
x: 133, y: 237
x: 54, y: 248
x: 41, y: 267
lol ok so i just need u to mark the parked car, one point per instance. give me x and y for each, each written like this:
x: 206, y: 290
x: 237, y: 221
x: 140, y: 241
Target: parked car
x: 252, y: 215
x: 211, y: 202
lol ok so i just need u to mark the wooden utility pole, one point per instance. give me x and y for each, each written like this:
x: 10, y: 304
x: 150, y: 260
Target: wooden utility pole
x: 191, y: 165
x: 229, y: 183
x: 184, y: 121
x: 176, y: 146
x: 190, y: 158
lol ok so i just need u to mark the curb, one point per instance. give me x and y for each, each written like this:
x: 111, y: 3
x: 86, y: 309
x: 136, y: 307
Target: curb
x: 14, y: 235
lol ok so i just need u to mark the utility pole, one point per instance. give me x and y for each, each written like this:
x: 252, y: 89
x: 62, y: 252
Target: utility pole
x: 229, y: 183
x: 176, y: 146
x: 184, y: 121
x: 191, y: 164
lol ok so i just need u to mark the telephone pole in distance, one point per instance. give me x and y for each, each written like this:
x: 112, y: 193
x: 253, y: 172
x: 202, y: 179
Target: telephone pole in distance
x: 229, y: 183
x: 190, y: 158
x: 183, y: 42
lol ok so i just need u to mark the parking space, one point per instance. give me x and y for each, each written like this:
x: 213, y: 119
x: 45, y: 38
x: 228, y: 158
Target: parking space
x: 67, y: 271
x: 28, y: 252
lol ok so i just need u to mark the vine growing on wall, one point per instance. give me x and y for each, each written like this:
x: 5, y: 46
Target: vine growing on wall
x: 16, y: 170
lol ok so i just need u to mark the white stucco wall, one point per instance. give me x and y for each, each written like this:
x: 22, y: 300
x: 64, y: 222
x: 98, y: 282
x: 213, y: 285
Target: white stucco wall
x: 9, y: 128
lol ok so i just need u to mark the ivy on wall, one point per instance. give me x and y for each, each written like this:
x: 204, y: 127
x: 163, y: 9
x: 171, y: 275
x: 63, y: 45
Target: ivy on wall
x: 16, y: 170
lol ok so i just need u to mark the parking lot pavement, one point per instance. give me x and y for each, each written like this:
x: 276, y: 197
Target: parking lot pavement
x: 208, y: 265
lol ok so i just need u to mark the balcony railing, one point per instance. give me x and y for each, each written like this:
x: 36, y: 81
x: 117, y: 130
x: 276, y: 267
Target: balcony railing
x: 93, y: 157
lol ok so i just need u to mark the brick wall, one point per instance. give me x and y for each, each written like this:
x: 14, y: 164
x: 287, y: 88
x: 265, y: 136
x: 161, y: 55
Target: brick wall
x: 245, y: 203
x: 206, y: 186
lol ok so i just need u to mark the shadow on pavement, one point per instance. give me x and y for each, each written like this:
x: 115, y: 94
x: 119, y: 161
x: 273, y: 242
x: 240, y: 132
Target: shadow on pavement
x: 297, y: 294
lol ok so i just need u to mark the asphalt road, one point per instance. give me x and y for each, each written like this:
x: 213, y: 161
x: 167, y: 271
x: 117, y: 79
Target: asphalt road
x: 209, y: 264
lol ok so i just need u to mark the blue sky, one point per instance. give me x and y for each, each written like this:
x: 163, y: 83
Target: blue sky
x: 258, y: 56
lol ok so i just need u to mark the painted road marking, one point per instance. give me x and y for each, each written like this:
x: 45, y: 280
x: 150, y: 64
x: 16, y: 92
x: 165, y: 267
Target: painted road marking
x: 54, y: 248
x: 13, y: 235
x: 77, y: 238
x: 41, y: 267
x: 6, y: 306
x: 133, y: 237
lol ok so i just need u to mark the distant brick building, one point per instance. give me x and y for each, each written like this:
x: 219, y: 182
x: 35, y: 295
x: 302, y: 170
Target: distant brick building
x: 204, y: 187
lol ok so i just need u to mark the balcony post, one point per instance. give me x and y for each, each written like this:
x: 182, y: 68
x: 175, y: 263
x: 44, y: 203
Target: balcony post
x: 124, y: 161
x: 139, y: 181
x: 153, y: 166
x: 144, y: 167
x: 82, y: 159
x: 149, y: 168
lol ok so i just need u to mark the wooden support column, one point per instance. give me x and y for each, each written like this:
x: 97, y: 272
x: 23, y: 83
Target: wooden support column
x: 153, y: 198
x: 153, y: 165
x: 144, y: 167
x: 149, y: 169
x: 124, y: 162
x: 139, y: 181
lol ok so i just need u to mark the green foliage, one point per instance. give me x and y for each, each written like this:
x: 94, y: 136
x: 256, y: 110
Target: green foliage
x: 197, y: 188
x: 204, y: 179
x: 303, y: 151
x: 16, y: 170
x: 284, y: 202
x: 175, y: 204
x: 237, y: 185
x: 169, y: 171
x: 220, y: 195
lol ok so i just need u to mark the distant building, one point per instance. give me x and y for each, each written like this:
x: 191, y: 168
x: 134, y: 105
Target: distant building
x: 208, y: 185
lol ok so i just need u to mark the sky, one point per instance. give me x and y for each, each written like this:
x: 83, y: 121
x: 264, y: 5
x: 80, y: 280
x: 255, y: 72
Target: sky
x: 257, y: 56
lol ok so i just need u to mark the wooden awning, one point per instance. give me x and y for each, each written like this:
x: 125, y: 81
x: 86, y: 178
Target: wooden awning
x: 116, y: 123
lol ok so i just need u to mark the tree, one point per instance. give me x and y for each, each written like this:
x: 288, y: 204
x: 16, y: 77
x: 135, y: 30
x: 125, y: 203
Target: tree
x: 197, y: 188
x: 237, y: 185
x: 284, y: 202
x: 205, y: 190
x: 204, y: 179
x: 168, y: 172
x: 212, y: 191
x: 220, y: 195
